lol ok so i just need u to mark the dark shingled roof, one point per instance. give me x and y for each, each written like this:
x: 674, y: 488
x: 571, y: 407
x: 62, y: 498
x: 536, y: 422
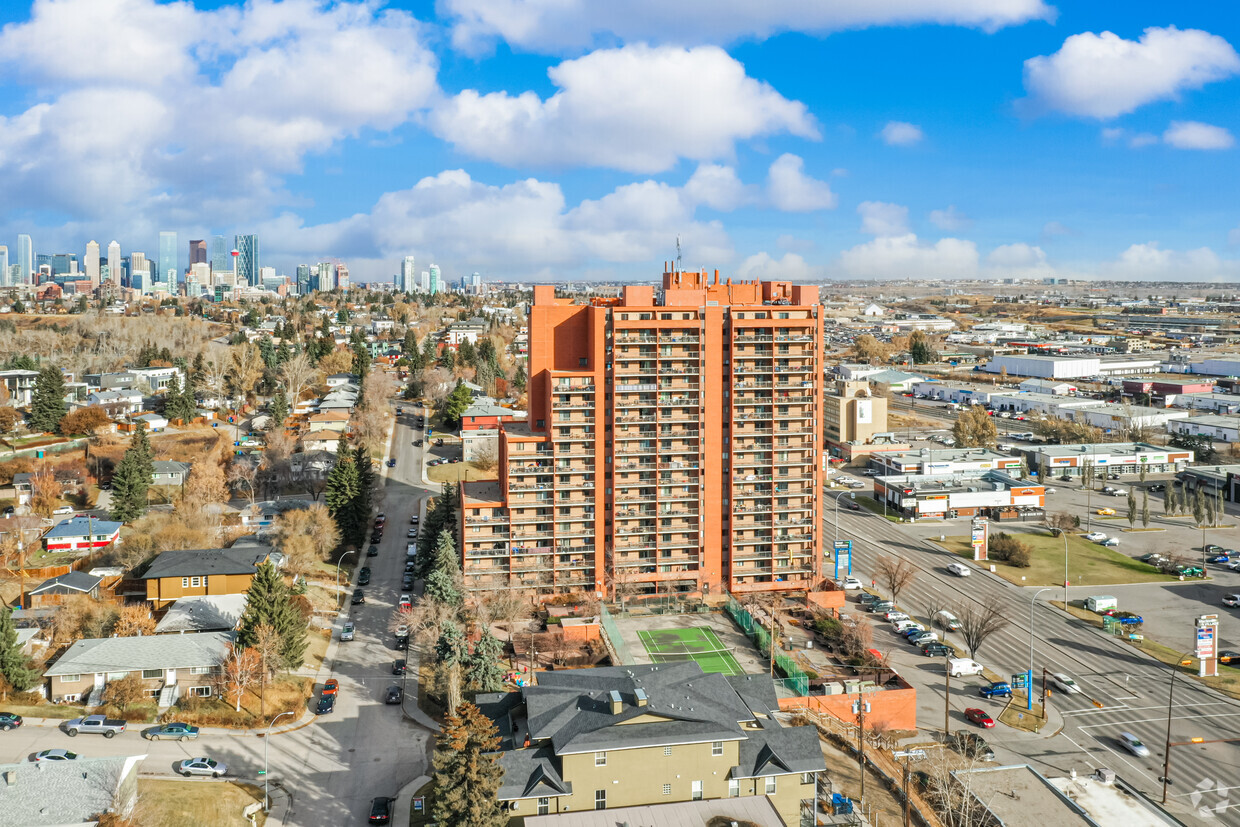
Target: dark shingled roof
x: 571, y: 712
x: 206, y: 561
x: 74, y: 581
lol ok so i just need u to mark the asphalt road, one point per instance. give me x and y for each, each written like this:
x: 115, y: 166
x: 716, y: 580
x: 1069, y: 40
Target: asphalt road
x: 1123, y: 690
x: 334, y: 766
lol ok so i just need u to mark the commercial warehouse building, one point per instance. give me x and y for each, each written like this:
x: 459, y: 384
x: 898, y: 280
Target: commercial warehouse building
x: 1218, y: 428
x: 1106, y: 457
x: 1071, y: 367
x: 943, y: 461
x: 1212, y: 478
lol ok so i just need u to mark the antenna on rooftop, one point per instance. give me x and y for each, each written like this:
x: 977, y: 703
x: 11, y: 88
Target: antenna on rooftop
x: 679, y: 260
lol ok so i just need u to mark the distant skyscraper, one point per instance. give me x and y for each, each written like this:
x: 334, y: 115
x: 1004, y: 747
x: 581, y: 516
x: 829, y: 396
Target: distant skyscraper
x: 303, y: 279
x: 25, y: 257
x: 4, y: 265
x: 219, y: 254
x: 137, y: 263
x: 167, y: 258
x: 436, y: 285
x: 407, y: 275
x: 63, y: 264
x: 327, y: 276
x: 247, y: 262
x: 342, y: 276
x: 114, y: 263
x: 92, y: 262
x: 425, y: 285
x: 197, y: 252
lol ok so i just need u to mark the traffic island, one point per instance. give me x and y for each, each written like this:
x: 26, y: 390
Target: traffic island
x: 1017, y: 716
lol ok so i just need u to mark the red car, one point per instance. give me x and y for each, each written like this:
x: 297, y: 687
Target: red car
x: 980, y: 717
x: 331, y: 687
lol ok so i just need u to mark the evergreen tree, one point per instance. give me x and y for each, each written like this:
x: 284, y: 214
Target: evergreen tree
x: 445, y: 557
x: 47, y: 404
x: 14, y: 666
x: 365, y: 485
x: 269, y: 600
x: 341, y: 494
x: 279, y: 409
x: 198, y: 376
x: 132, y: 478
x: 180, y: 402
x: 467, y: 775
x: 361, y: 359
x: 450, y: 648
x: 456, y: 404
x: 439, y: 587
x: 441, y: 513
x: 268, y: 352
x: 519, y: 378
x: 485, y: 673
x: 466, y: 353
x: 283, y: 354
x: 410, y: 343
x: 430, y: 351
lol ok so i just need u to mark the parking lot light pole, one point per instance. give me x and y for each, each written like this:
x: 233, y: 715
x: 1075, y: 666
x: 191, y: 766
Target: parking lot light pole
x: 1029, y: 675
x: 1065, y: 571
x: 338, y: 569
x: 266, y: 741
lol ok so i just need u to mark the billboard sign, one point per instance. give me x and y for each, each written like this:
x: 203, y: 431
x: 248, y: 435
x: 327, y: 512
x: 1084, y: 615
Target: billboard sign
x: 843, y: 558
x: 1207, y: 645
x: 979, y: 538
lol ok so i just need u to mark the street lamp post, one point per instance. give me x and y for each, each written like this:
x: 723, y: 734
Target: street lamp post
x: 1065, y: 571
x: 338, y: 569
x: 1029, y: 675
x: 1175, y: 668
x: 266, y: 741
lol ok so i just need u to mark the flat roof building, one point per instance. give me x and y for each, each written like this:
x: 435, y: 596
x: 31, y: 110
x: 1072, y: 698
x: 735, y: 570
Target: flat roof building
x: 1110, y: 457
x: 944, y: 461
x: 971, y: 493
x: 673, y: 443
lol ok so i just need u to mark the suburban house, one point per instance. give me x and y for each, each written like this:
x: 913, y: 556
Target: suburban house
x: 203, y: 613
x: 116, y: 403
x: 69, y: 792
x: 53, y: 591
x: 338, y: 379
x: 168, y: 472
x: 484, y: 413
x: 157, y: 378
x: 20, y: 384
x: 170, y: 666
x: 627, y: 736
x: 154, y: 422
x: 176, y: 574
x: 23, y: 487
x: 81, y: 534
x: 328, y: 421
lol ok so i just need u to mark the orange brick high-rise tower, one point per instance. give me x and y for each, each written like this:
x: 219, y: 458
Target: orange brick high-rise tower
x: 673, y: 445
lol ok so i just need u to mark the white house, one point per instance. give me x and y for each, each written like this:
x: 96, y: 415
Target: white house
x: 872, y: 310
x: 117, y: 403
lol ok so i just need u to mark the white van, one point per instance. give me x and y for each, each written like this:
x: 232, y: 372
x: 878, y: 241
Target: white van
x: 946, y: 620
x: 960, y: 667
x: 1100, y: 603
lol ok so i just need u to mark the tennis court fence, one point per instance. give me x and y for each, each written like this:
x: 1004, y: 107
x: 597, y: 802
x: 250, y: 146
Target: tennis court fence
x: 618, y: 646
x: 795, y: 679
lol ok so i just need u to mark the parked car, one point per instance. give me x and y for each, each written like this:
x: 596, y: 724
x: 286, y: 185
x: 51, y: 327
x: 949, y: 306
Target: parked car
x: 413, y: 520
x: 373, y: 551
x: 980, y: 717
x: 327, y: 705
x: 55, y: 755
x: 1105, y: 512
x: 1133, y: 744
x: 962, y: 667
x: 1110, y: 542
x: 381, y: 810
x: 935, y: 649
x: 1157, y: 486
x: 1190, y: 571
x: 946, y: 620
x: 331, y: 686
x: 347, y: 631
x: 1231, y: 600
x: 9, y: 721
x: 902, y: 626
x: 202, y: 766
x: 64, y: 509
x: 998, y: 689
x: 398, y: 667
x: 406, y: 581
x: 1065, y: 683
x: 881, y: 606
x: 958, y: 569
x: 922, y: 638
x: 850, y: 583
x: 363, y: 576
x: 1096, y: 536
x: 96, y: 724
x: 394, y: 695
x: 974, y: 746
x: 171, y: 732
x: 867, y: 599
x: 1229, y: 656
x: 1220, y: 558
x: 406, y: 602
x: 894, y: 615
x: 359, y: 597
x: 1152, y: 558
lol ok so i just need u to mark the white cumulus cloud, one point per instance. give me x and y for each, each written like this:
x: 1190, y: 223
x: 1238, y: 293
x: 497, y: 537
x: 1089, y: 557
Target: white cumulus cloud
x: 637, y: 108
x: 559, y: 25
x: 791, y: 267
x: 950, y: 219
x: 1104, y: 75
x: 883, y: 219
x: 791, y: 190
x: 717, y: 186
x: 906, y: 256
x: 899, y: 133
x: 1151, y: 262
x: 1196, y: 135
x: 1016, y: 256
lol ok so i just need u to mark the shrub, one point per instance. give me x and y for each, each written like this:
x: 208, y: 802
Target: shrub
x: 1019, y: 557
x: 1004, y: 546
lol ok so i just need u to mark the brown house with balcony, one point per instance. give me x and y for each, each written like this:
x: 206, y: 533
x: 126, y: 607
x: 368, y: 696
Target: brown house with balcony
x: 212, y: 571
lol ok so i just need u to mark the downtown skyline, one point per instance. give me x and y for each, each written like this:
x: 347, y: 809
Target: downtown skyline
x: 1012, y: 138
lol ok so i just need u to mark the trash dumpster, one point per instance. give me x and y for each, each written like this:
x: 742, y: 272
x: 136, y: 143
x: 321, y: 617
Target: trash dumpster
x: 841, y: 805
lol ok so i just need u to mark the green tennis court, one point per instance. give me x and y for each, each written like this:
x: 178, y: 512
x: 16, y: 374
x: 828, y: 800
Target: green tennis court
x: 697, y: 643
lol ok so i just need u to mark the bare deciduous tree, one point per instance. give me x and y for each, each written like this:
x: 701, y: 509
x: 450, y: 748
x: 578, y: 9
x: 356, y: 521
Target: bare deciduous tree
x: 979, y: 620
x: 134, y: 621
x: 1060, y: 522
x: 306, y: 536
x: 243, y: 476
x: 298, y: 374
x: 895, y: 573
x: 239, y: 672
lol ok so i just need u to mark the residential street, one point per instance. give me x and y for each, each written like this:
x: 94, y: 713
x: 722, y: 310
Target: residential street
x: 1123, y: 690
x: 336, y: 764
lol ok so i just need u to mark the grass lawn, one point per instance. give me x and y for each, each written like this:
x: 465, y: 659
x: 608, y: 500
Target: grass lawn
x: 466, y: 471
x: 1089, y: 564
x: 1017, y: 716
x: 426, y: 685
x: 196, y: 803
x: 65, y: 711
x: 316, y: 649
x: 285, y: 693
x: 868, y: 503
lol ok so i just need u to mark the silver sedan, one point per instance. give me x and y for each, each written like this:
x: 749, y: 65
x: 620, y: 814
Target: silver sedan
x: 201, y: 766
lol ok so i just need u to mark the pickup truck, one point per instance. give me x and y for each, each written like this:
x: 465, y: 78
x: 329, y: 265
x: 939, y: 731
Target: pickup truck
x: 98, y: 724
x: 1126, y: 618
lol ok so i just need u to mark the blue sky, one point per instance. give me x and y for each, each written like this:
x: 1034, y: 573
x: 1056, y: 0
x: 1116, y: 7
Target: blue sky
x: 530, y: 139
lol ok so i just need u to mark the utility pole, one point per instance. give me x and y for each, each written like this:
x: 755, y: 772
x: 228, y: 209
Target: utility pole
x: 947, y: 697
x: 860, y: 706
